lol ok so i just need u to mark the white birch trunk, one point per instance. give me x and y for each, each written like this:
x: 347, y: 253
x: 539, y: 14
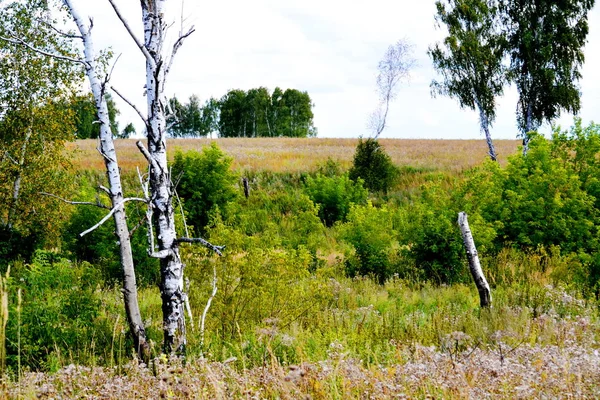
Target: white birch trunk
x: 17, y: 183
x: 485, y: 127
x: 172, y: 283
x: 107, y: 149
x: 528, y: 128
x: 485, y: 297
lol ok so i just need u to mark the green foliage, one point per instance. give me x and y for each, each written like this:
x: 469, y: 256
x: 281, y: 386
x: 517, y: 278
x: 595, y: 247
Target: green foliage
x: 435, y: 243
x: 257, y: 113
x: 60, y: 311
x: 15, y: 246
x: 542, y: 202
x: 207, y: 184
x: 258, y: 282
x: 371, y: 233
x: 127, y: 132
x: 86, y: 118
x: 373, y: 165
x: 100, y: 246
x: 192, y: 119
x: 545, y: 46
x: 335, y: 195
x: 470, y: 59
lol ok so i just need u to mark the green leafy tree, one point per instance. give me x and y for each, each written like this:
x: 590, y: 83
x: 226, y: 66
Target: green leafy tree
x: 545, y: 46
x: 256, y: 113
x: 373, y: 165
x: 233, y: 117
x: 127, y: 132
x: 295, y: 115
x: 192, y: 119
x: 33, y: 123
x: 86, y: 119
x: 259, y: 101
x: 206, y: 185
x: 470, y: 58
x: 371, y: 233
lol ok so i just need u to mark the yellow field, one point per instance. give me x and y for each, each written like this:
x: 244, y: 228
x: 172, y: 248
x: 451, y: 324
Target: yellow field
x: 292, y: 155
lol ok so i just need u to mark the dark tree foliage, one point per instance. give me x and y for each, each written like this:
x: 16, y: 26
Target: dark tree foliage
x: 545, y: 45
x: 127, y: 132
x: 86, y: 119
x: 373, y: 165
x: 206, y: 184
x: 257, y: 113
x: 192, y: 119
x: 470, y: 58
x: 233, y: 120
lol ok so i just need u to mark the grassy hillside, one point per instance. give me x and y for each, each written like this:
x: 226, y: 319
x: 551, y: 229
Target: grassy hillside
x: 298, y: 312
x: 294, y: 155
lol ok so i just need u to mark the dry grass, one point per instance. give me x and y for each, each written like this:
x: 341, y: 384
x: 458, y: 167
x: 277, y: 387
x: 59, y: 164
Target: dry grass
x: 529, y: 371
x: 294, y: 155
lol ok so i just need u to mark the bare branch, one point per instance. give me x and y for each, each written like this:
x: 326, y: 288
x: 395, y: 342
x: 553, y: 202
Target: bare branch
x: 7, y: 155
x: 43, y: 52
x: 208, y: 303
x: 107, y: 79
x: 187, y: 233
x: 86, y: 203
x: 137, y: 41
x: 112, y: 211
x: 104, y: 189
x: 177, y: 46
x: 131, y: 105
x: 216, y: 249
x: 148, y: 156
x: 55, y: 29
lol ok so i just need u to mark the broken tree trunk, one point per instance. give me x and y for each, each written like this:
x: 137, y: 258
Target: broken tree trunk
x: 161, y: 188
x: 485, y: 297
x: 107, y: 149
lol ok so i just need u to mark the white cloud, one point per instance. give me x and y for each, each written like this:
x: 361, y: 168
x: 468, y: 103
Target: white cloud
x: 328, y: 47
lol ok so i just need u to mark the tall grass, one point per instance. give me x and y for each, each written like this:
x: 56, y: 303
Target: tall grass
x: 296, y: 155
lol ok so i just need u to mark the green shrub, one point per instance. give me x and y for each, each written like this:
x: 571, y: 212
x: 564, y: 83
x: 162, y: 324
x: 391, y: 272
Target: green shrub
x: 373, y: 165
x: 14, y: 245
x: 60, y: 312
x: 100, y: 247
x: 371, y: 233
x: 335, y: 195
x: 538, y: 200
x: 207, y: 184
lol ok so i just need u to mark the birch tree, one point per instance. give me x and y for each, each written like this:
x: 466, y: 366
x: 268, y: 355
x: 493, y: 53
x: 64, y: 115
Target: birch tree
x: 470, y: 58
x: 392, y: 70
x: 115, y: 190
x: 545, y: 45
x: 33, y: 124
x: 159, y: 190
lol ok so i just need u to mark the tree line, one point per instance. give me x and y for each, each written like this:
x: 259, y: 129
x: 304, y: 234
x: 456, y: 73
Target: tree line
x: 239, y: 113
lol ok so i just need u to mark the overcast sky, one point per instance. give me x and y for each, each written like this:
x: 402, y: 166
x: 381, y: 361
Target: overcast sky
x: 329, y: 48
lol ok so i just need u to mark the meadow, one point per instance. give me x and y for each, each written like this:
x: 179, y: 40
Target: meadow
x: 377, y: 303
x: 305, y: 154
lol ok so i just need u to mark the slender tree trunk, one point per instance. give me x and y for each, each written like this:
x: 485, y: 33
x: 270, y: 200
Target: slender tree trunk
x: 485, y: 127
x: 485, y: 297
x: 17, y: 183
x: 528, y: 128
x: 107, y: 149
x: 172, y: 283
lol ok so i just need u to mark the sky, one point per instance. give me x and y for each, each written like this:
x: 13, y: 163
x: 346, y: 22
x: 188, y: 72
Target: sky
x: 329, y: 48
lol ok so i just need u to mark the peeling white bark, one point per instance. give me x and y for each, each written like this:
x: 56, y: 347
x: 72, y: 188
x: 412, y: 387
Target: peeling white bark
x: 172, y: 282
x: 107, y: 149
x: 485, y: 297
